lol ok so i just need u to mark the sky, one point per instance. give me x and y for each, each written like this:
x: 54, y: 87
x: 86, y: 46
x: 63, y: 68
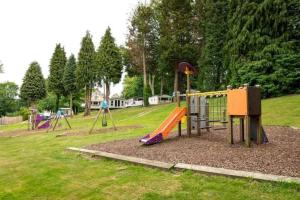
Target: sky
x: 30, y: 29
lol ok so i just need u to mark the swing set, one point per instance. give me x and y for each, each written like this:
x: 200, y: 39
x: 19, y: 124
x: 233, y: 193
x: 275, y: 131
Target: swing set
x: 40, y: 121
x: 103, y: 111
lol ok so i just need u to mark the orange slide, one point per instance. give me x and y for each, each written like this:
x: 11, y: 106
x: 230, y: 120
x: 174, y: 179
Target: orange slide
x: 166, y: 127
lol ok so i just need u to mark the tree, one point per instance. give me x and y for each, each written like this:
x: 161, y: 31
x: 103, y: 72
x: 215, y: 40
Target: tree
x: 142, y: 43
x: 69, y: 79
x: 9, y: 89
x: 176, y: 41
x: 57, y: 66
x: 132, y: 87
x: 211, y: 63
x: 33, y: 87
x: 48, y: 103
x: 8, y: 94
x: 86, y: 69
x: 109, y: 61
x: 263, y: 45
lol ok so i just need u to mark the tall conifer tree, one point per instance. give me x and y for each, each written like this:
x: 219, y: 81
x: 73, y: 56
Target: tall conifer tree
x: 86, y: 69
x: 109, y: 61
x: 70, y: 78
x: 176, y: 39
x: 33, y: 87
x: 263, y: 46
x: 211, y: 63
x: 57, y: 66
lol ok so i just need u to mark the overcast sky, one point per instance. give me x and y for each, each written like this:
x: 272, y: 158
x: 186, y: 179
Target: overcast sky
x: 29, y: 30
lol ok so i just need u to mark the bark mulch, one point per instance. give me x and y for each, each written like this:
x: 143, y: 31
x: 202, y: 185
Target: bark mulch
x: 281, y: 156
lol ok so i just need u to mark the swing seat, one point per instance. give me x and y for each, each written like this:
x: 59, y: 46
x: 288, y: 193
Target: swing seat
x: 104, y: 123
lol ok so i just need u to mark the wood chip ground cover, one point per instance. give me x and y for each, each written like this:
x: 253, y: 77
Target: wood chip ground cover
x: 281, y: 156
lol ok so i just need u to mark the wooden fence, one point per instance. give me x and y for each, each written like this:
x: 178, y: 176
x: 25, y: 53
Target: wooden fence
x: 10, y: 120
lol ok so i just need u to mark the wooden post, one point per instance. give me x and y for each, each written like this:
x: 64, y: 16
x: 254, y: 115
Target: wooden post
x: 224, y: 118
x: 33, y: 117
x: 198, y: 114
x: 230, y: 129
x: 67, y: 121
x: 178, y: 98
x: 242, y: 139
x: 259, y: 131
x: 188, y: 114
x: 178, y: 105
x: 112, y: 120
x: 179, y: 128
x: 207, y: 116
x: 188, y: 84
x: 55, y: 123
x: 247, y: 131
x: 28, y: 124
x: 51, y: 124
x: 98, y: 114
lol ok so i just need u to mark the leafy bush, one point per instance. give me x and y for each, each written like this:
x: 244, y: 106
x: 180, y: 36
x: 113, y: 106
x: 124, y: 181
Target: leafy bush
x: 47, y: 103
x: 24, y: 112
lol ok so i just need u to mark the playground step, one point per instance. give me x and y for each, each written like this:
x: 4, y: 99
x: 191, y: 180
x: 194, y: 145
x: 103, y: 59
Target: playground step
x: 222, y: 128
x: 205, y: 127
x: 214, y: 120
x: 201, y: 120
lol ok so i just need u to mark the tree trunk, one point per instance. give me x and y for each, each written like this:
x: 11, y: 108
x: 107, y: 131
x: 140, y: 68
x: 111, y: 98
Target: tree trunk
x: 90, y: 97
x: 107, y: 92
x: 33, y: 115
x: 145, y: 93
x: 144, y: 67
x: 57, y: 102
x: 161, y: 86
x: 86, y: 107
x: 176, y: 79
x: 71, y: 104
x: 151, y: 83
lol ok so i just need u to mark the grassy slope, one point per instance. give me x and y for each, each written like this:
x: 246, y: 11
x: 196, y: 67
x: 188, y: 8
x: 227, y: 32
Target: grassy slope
x: 37, y: 167
x: 282, y: 111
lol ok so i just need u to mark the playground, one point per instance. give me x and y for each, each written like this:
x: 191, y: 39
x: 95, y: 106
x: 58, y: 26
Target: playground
x: 219, y: 129
x: 37, y: 160
x: 211, y: 139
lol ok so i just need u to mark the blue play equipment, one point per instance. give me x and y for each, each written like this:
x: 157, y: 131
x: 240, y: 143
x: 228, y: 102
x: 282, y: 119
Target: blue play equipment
x: 104, y: 105
x: 59, y: 114
x: 104, y: 109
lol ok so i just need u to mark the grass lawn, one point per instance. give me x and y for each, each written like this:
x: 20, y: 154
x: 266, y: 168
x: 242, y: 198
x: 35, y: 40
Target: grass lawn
x: 37, y: 167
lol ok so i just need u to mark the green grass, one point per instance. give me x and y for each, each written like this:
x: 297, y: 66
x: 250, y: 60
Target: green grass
x: 282, y: 111
x: 37, y: 167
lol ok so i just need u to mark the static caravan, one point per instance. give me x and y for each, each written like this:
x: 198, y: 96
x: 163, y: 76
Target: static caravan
x: 133, y: 102
x: 117, y: 103
x: 155, y: 100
